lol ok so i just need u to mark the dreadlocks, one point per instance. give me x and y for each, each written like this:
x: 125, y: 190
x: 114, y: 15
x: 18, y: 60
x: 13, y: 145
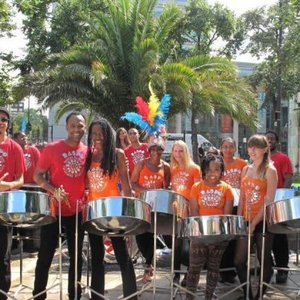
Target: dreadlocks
x: 108, y: 161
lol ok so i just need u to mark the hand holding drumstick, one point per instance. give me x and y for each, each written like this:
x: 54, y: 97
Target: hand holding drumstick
x: 61, y: 195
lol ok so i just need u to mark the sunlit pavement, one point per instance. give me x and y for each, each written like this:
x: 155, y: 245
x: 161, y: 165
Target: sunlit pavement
x: 114, y: 284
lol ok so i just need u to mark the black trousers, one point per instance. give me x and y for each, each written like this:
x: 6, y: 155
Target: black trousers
x: 145, y: 243
x: 240, y: 259
x: 123, y: 259
x: 49, y: 240
x: 5, y: 253
x: 281, y: 250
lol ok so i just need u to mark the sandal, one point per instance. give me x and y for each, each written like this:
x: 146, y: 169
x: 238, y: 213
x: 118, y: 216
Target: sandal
x: 148, y: 272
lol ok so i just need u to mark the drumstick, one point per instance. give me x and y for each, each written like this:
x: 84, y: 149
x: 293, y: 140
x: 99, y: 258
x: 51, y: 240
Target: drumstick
x: 6, y: 174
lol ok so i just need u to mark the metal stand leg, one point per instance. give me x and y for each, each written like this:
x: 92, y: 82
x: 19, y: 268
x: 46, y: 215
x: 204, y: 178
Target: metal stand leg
x: 21, y: 286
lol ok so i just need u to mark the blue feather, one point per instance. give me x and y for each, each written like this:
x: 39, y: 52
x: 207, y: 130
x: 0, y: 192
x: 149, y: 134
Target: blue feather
x: 138, y: 120
x: 165, y: 104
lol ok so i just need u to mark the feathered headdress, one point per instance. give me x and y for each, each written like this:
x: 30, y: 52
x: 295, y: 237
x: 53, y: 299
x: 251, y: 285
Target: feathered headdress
x: 152, y: 116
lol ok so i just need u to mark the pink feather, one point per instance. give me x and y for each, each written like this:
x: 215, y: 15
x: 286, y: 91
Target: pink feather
x: 142, y: 107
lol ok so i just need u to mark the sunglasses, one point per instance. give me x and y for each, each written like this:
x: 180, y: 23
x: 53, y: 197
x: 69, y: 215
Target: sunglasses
x: 4, y: 120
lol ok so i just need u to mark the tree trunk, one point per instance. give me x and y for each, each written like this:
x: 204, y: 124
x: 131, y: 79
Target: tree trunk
x: 194, y: 138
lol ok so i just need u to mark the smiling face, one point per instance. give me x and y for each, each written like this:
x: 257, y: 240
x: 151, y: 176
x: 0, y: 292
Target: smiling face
x: 257, y: 153
x: 122, y: 134
x: 76, y: 128
x: 133, y: 135
x: 97, y: 136
x: 228, y: 149
x: 178, y: 153
x: 213, y: 173
x: 155, y: 152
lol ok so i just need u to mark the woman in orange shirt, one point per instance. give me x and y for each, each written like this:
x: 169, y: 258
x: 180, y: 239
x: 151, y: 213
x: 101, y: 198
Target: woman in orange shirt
x: 232, y: 175
x: 259, y: 182
x: 211, y: 196
x: 184, y: 173
x: 151, y: 173
x: 105, y: 166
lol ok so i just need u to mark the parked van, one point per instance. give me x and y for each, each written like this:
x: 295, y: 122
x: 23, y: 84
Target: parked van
x: 172, y: 137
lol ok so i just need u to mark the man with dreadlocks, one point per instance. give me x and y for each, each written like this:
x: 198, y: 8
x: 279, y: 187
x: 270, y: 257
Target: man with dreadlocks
x: 105, y: 166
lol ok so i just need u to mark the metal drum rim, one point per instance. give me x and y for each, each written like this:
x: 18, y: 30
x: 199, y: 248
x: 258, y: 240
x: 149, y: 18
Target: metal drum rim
x: 117, y: 197
x: 20, y: 191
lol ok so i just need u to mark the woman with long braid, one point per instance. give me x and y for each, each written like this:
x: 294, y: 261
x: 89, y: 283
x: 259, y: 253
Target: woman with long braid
x: 105, y: 166
x: 259, y: 182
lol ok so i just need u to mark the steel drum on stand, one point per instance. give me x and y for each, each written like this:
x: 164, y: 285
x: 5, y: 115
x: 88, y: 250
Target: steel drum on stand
x: 25, y: 209
x: 215, y: 228
x: 283, y: 215
x: 115, y: 216
x: 166, y: 203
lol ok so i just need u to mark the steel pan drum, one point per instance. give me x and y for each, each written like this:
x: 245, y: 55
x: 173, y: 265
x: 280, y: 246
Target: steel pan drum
x: 282, y: 194
x: 166, y: 203
x: 284, y: 216
x: 25, y: 209
x: 115, y: 216
x: 215, y: 228
x: 32, y: 187
x: 236, y: 196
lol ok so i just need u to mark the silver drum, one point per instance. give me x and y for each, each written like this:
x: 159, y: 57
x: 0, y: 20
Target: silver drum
x: 117, y: 216
x: 25, y: 209
x: 215, y: 228
x: 166, y: 203
x: 284, y: 216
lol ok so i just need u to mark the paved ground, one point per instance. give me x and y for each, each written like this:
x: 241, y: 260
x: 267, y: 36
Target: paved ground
x: 114, y: 284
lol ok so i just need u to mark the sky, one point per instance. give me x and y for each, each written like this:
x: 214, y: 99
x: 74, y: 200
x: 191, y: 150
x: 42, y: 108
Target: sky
x: 18, y: 43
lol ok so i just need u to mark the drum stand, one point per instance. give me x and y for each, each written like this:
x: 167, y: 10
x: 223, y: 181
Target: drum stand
x: 262, y: 283
x: 247, y: 283
x: 60, y: 254
x: 21, y: 286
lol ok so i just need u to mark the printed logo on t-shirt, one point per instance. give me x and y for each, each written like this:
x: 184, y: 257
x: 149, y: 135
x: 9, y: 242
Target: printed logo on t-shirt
x: 151, y: 181
x: 96, y: 179
x: 211, y: 198
x: 232, y: 177
x: 252, y: 192
x: 3, y: 154
x: 137, y: 156
x: 73, y: 163
x: 28, y: 162
x: 179, y: 181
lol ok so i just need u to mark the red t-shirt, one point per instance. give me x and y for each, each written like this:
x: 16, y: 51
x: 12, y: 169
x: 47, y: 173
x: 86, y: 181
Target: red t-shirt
x: 283, y: 166
x: 211, y: 199
x: 11, y: 160
x: 31, y: 155
x: 66, y: 166
x: 136, y: 155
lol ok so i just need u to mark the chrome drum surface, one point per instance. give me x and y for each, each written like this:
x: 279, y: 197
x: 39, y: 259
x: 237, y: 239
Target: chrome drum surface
x: 115, y: 216
x: 215, y: 228
x: 284, y: 216
x: 166, y: 203
x: 25, y: 209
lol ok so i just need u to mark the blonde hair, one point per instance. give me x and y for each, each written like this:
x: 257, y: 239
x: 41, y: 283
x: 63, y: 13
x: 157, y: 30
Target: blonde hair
x: 260, y: 141
x: 188, y: 162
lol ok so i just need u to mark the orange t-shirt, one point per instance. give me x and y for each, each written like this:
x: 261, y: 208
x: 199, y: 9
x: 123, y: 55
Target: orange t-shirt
x: 233, y: 172
x: 211, y: 199
x: 183, y: 180
x: 151, y: 179
x: 255, y: 190
x: 101, y: 185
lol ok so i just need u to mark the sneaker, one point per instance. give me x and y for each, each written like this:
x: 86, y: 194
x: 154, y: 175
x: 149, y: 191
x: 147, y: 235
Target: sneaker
x: 183, y: 282
x: 281, y: 277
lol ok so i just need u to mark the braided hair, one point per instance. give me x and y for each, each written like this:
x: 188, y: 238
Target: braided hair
x: 208, y: 159
x: 108, y: 162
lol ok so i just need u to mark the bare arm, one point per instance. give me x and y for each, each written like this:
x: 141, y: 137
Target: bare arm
x: 167, y: 175
x: 194, y: 211
x: 241, y: 205
x: 135, y: 177
x: 228, y: 207
x: 40, y: 175
x: 11, y: 185
x: 288, y: 180
x: 123, y: 171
